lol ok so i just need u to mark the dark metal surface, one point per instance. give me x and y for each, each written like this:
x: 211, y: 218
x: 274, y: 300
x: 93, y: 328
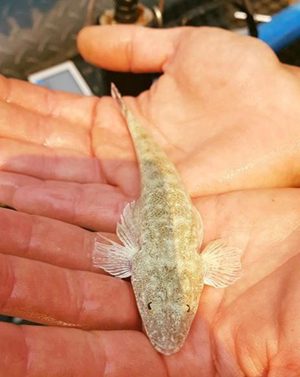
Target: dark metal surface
x: 35, y: 34
x: 126, y: 11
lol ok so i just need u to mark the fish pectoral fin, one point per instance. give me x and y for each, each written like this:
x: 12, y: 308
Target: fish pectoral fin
x: 127, y: 228
x: 222, y: 264
x: 112, y: 257
x: 199, y: 225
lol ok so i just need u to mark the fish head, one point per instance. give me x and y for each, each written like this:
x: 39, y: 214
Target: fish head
x: 167, y: 297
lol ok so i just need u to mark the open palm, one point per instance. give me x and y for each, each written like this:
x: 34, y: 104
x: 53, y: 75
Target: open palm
x: 214, y: 111
x: 71, y: 158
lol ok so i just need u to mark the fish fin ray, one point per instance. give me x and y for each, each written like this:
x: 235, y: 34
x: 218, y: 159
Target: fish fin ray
x: 116, y: 95
x: 115, y: 258
x: 112, y: 257
x: 222, y: 264
x: 199, y: 225
x: 127, y: 227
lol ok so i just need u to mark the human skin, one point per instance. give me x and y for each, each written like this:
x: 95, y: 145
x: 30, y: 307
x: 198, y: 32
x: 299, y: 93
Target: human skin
x: 71, y: 158
x: 225, y: 110
x: 251, y: 328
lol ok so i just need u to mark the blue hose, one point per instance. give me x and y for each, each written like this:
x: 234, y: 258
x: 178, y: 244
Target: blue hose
x: 284, y: 28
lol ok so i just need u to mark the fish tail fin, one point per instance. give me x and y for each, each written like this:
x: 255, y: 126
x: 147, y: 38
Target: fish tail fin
x: 139, y: 135
x: 115, y: 93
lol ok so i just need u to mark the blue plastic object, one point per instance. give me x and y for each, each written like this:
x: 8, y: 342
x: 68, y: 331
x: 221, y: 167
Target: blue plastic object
x: 283, y: 29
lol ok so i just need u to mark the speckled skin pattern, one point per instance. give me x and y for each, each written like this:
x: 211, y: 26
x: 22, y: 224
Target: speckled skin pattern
x: 167, y: 271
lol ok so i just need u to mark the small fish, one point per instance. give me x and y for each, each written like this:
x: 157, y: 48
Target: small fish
x: 161, y: 234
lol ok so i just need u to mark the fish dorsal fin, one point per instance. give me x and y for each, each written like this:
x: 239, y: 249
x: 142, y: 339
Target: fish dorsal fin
x: 222, y: 264
x: 113, y: 257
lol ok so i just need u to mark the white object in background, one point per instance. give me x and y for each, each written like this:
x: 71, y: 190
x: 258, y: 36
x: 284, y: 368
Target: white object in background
x: 257, y: 17
x: 64, y: 76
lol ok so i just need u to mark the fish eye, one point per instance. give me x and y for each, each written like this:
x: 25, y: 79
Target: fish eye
x: 188, y: 308
x: 149, y: 305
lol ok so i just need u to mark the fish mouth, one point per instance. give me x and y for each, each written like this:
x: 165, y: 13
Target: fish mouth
x: 166, y: 342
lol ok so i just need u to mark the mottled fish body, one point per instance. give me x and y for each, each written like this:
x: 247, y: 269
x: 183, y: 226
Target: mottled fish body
x: 161, y: 234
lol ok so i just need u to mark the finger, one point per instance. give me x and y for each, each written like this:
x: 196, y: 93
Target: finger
x: 29, y: 148
x: 47, y: 294
x: 50, y: 149
x: 46, y: 240
x: 92, y: 206
x: 128, y: 48
x: 37, y: 351
x: 39, y: 129
x: 41, y: 162
x: 75, y: 109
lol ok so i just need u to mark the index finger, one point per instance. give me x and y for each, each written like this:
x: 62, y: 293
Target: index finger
x: 75, y: 109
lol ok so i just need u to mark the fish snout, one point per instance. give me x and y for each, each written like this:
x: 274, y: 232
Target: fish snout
x: 168, y: 345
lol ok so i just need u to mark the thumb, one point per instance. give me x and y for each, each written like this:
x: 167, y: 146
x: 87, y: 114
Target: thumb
x: 127, y: 47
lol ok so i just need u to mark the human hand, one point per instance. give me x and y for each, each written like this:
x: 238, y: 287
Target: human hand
x: 39, y: 176
x: 248, y: 329
x: 225, y: 110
